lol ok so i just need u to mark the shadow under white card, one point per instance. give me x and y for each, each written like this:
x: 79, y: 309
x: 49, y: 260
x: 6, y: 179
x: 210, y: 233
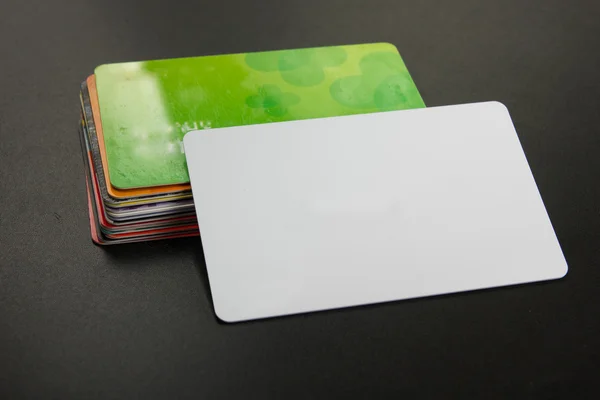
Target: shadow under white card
x: 326, y: 213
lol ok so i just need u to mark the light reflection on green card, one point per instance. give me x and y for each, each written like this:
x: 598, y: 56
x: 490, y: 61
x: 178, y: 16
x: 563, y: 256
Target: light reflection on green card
x: 147, y: 107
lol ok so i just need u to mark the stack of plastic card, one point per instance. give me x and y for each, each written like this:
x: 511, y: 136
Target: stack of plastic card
x: 135, y: 115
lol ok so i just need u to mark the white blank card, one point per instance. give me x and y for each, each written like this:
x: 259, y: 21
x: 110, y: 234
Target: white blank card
x: 325, y: 213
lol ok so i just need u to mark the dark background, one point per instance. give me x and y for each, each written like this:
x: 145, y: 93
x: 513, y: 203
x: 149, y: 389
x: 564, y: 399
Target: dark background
x: 136, y: 321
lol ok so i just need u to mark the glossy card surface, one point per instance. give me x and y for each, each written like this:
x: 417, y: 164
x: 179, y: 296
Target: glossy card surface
x: 326, y: 213
x: 147, y: 107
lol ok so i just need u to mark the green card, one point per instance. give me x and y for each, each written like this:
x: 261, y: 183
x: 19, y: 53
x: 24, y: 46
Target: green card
x: 147, y: 107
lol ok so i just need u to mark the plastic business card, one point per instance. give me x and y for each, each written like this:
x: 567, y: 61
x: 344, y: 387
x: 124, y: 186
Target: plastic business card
x: 319, y: 214
x: 147, y: 107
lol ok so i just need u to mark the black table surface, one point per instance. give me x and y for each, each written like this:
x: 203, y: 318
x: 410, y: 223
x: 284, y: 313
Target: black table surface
x: 136, y: 321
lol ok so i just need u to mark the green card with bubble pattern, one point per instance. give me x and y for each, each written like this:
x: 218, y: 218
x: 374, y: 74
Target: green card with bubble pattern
x: 147, y: 107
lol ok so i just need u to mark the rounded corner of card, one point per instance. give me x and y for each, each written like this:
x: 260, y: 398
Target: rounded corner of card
x: 499, y: 106
x: 392, y: 47
x: 187, y: 137
x: 100, y: 69
x: 225, y: 316
x: 118, y: 181
x: 564, y: 271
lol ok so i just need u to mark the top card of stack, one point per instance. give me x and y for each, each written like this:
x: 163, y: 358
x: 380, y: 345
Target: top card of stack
x: 147, y: 107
